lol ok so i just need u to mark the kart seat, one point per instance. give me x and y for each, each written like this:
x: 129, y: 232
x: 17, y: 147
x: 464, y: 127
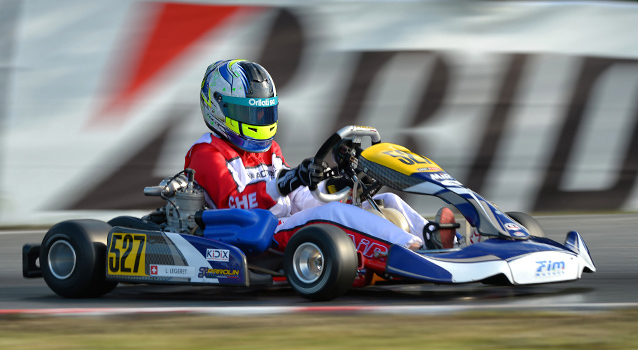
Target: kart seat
x: 250, y: 230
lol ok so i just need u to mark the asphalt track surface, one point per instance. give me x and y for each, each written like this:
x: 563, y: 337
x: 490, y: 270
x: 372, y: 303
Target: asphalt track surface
x: 612, y: 240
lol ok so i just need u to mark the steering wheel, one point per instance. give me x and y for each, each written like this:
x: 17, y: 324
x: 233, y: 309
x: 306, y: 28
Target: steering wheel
x: 354, y: 131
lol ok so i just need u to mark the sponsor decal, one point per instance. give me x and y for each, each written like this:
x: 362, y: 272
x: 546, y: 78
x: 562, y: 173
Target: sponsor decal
x: 515, y: 230
x: 217, y: 255
x: 428, y: 169
x: 550, y: 268
x: 441, y: 176
x: 260, y: 173
x: 368, y: 248
x: 207, y: 272
x: 265, y: 102
x: 171, y: 271
x: 512, y: 227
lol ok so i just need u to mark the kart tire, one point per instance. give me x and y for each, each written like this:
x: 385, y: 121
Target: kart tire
x: 320, y: 262
x: 535, y: 229
x: 73, y: 259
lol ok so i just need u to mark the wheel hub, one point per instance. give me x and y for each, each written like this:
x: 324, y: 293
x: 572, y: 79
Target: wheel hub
x: 308, y: 262
x: 62, y: 259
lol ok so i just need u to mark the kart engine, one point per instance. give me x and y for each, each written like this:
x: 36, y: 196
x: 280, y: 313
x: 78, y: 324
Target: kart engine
x: 184, y: 197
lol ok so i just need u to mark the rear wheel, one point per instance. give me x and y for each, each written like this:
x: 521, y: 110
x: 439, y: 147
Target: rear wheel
x: 535, y: 229
x: 73, y: 259
x: 320, y: 262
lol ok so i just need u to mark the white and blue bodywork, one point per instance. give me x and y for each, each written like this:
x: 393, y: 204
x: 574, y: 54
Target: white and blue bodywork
x: 532, y: 261
x: 217, y: 255
x: 514, y: 254
x: 182, y: 243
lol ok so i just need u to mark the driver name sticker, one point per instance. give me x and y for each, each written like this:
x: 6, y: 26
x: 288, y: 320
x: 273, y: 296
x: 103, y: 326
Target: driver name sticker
x: 126, y: 254
x: 172, y: 271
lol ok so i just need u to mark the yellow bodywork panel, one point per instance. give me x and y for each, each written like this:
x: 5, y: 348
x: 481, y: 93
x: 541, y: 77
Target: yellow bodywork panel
x: 399, y: 159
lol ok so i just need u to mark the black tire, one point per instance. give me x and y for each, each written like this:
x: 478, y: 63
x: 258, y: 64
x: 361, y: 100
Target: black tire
x: 135, y: 223
x: 535, y: 229
x: 73, y: 259
x: 320, y: 262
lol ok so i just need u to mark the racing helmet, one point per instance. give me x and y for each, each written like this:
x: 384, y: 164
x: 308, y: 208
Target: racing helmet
x: 239, y: 102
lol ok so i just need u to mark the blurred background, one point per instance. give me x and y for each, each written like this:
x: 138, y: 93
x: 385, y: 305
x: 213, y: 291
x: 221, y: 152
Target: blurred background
x: 531, y: 104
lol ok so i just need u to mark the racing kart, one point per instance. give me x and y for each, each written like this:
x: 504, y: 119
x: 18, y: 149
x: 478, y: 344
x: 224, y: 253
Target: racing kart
x: 183, y: 242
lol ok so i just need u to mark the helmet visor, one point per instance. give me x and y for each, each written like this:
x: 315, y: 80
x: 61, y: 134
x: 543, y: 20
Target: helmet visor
x: 253, y: 132
x: 253, y: 111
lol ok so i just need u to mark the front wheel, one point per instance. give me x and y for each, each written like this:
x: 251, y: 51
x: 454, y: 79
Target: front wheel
x: 73, y: 259
x: 320, y: 262
x: 533, y: 227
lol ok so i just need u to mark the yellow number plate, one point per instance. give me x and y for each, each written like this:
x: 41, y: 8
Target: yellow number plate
x: 126, y: 254
x: 400, y: 159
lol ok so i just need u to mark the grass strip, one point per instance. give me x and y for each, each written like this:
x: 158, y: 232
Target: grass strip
x: 616, y: 329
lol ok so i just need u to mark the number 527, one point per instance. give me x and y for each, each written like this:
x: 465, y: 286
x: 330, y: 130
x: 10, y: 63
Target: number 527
x: 126, y: 254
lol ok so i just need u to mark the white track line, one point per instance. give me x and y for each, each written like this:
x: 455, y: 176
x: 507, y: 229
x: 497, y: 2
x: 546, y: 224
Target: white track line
x: 270, y: 310
x: 22, y: 232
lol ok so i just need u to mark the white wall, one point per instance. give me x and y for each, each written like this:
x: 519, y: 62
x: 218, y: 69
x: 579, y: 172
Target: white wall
x: 533, y: 103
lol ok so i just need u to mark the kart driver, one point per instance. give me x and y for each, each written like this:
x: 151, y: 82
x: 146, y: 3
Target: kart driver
x: 239, y: 165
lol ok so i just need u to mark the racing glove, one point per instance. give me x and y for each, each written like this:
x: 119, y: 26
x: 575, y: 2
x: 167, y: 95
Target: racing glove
x: 305, y: 174
x: 336, y: 184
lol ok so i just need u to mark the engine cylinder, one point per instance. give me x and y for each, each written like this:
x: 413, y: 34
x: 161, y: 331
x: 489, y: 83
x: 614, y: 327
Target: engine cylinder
x: 187, y: 203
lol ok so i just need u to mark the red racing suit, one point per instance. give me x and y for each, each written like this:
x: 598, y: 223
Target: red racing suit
x: 233, y: 178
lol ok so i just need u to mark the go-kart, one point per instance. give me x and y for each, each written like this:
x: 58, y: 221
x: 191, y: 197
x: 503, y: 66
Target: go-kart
x: 185, y: 243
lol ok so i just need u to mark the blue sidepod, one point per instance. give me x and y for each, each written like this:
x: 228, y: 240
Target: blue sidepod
x: 251, y: 230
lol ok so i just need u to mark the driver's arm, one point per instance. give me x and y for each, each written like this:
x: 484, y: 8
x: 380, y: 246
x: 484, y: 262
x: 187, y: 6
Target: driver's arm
x: 302, y: 199
x: 305, y: 174
x: 293, y: 183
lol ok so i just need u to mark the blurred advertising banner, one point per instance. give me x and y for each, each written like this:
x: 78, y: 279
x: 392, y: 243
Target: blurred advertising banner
x: 531, y: 104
